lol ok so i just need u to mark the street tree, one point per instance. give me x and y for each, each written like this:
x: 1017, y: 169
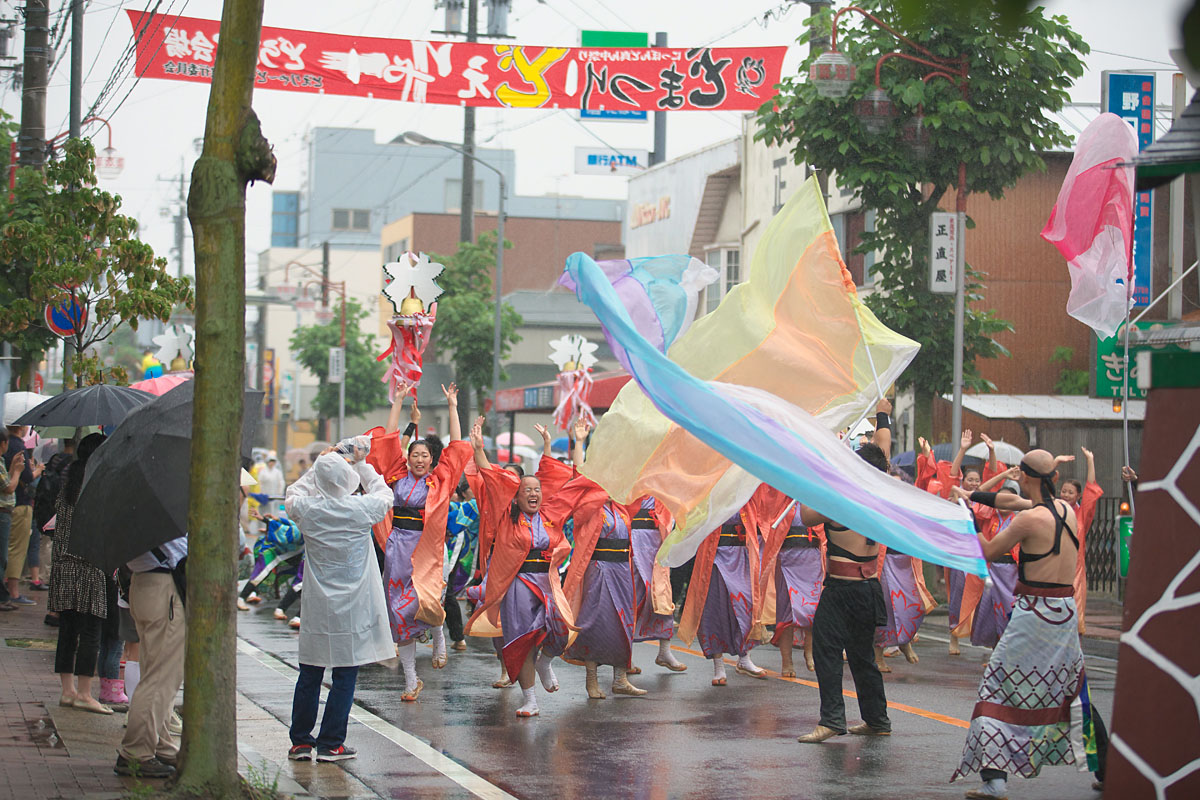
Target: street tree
x: 466, y: 315
x: 1020, y: 71
x: 365, y: 392
x: 64, y: 239
x: 235, y: 153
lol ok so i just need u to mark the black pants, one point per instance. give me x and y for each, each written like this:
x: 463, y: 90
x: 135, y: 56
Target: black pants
x: 454, y: 620
x: 681, y: 576
x: 289, y: 597
x: 846, y: 618
x: 78, y: 644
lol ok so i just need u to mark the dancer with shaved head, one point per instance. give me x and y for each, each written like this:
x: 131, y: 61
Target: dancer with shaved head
x: 1034, y: 682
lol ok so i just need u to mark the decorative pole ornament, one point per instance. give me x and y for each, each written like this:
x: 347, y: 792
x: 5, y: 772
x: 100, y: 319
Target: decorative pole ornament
x: 573, y: 355
x: 176, y: 347
x: 412, y: 291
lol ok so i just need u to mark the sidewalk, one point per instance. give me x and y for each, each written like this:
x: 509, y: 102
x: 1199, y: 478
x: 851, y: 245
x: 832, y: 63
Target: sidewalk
x: 51, y: 752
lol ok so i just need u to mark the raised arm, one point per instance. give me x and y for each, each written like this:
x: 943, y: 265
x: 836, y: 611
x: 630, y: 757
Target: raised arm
x: 1091, y: 465
x: 963, y: 443
x: 1012, y: 472
x: 481, y: 460
x: 452, y: 404
x: 544, y: 432
x: 393, y: 423
x: 580, y: 431
x: 992, y: 466
x: 883, y: 427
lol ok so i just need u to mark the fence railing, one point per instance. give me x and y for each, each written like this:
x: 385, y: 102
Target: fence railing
x: 1100, y: 549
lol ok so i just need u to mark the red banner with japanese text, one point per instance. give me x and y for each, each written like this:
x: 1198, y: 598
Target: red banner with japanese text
x: 472, y: 74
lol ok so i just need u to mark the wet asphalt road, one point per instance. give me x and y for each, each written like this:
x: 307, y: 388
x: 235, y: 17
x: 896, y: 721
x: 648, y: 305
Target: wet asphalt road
x: 686, y: 738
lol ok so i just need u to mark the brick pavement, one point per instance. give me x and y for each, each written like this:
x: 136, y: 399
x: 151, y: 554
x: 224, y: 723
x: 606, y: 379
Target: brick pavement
x: 34, y: 761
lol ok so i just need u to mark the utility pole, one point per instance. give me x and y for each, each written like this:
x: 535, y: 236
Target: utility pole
x: 659, y: 154
x: 325, y: 304
x: 73, y: 130
x: 466, y: 225
x: 180, y: 215
x: 818, y: 43
x: 32, y: 139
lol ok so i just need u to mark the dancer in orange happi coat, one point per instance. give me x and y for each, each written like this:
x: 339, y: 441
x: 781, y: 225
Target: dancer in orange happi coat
x: 412, y: 537
x: 524, y: 601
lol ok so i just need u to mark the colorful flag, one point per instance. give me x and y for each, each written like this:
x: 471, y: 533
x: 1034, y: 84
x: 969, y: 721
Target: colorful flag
x: 753, y: 392
x: 1092, y: 224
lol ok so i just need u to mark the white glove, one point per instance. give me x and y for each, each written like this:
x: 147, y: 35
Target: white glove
x: 355, y: 449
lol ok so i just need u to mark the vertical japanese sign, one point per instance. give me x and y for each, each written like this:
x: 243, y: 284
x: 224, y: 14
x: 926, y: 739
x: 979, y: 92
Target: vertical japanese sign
x: 943, y: 255
x: 613, y: 39
x: 268, y: 382
x: 1131, y: 97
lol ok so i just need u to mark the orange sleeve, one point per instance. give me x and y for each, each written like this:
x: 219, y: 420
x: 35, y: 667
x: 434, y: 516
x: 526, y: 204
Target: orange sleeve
x: 1087, y: 507
x: 553, y: 474
x: 987, y: 472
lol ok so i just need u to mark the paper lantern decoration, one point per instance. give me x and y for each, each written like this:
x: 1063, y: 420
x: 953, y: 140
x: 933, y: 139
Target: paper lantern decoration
x: 573, y: 355
x: 175, y: 347
x: 411, y: 290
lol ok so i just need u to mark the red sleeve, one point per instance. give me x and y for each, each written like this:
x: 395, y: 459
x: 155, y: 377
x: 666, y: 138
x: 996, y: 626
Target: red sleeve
x: 947, y: 481
x: 1087, y: 507
x: 553, y: 474
x: 926, y: 470
x: 576, y: 495
x: 987, y: 472
x: 387, y: 456
x: 499, y: 487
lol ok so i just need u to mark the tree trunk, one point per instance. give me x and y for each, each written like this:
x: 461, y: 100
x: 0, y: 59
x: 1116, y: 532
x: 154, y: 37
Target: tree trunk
x: 234, y: 154
x: 923, y: 415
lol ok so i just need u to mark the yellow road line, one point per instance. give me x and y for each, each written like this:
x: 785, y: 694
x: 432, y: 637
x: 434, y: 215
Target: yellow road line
x: 920, y: 712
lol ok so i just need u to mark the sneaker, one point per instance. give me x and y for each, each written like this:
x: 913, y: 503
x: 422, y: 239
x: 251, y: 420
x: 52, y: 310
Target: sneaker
x: 39, y: 586
x: 51, y: 620
x: 175, y: 725
x: 301, y: 752
x: 151, y: 768
x: 23, y: 601
x: 339, y: 753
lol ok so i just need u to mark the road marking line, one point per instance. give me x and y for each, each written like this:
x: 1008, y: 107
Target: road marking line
x: 406, y: 741
x: 1092, y: 668
x: 920, y: 712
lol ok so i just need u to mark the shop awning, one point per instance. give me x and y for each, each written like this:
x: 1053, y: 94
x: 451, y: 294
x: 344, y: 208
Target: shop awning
x: 1045, y: 407
x: 544, y: 397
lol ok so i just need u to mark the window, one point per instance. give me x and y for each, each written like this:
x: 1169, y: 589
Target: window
x: 394, y: 250
x: 351, y: 219
x: 727, y: 261
x: 285, y: 219
x: 849, y: 227
x: 453, y: 198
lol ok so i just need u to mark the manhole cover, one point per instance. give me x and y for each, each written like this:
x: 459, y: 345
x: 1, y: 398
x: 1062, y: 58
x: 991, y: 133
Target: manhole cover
x: 32, y: 644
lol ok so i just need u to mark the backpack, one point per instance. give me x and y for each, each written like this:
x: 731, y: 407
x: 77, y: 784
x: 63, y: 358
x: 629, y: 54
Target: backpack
x: 48, y: 488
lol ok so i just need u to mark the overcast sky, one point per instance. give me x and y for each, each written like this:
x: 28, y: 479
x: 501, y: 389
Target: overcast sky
x: 155, y: 126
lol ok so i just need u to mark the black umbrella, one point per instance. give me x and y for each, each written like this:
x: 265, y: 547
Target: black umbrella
x: 100, y: 404
x: 135, y: 490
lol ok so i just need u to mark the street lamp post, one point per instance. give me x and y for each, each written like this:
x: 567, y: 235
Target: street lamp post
x: 417, y: 138
x: 833, y: 74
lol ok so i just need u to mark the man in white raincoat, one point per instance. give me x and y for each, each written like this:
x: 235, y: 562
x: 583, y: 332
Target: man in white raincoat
x: 345, y: 613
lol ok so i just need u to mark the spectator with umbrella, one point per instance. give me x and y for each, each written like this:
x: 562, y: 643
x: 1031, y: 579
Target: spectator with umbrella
x: 79, y: 594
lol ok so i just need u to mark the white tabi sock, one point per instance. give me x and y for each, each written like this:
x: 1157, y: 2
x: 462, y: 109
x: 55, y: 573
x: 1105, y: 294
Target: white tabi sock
x: 718, y: 668
x: 546, y: 672
x: 408, y: 660
x: 745, y: 663
x: 133, y: 676
x: 531, y: 704
x: 997, y: 787
x: 439, y: 641
x: 664, y: 652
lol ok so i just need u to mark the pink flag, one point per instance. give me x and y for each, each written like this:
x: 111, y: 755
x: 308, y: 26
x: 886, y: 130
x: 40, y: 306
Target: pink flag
x: 1092, y: 224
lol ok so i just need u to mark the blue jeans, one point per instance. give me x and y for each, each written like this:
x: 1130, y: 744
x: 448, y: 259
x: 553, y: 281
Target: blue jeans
x: 337, y: 706
x: 5, y: 529
x: 111, y: 648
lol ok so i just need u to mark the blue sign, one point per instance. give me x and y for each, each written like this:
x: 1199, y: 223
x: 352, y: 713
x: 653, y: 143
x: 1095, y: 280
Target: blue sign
x: 626, y: 114
x: 1131, y: 97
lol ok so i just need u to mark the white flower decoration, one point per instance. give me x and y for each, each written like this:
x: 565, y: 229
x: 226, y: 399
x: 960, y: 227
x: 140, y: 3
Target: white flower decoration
x: 572, y: 352
x: 412, y: 275
x: 175, y: 340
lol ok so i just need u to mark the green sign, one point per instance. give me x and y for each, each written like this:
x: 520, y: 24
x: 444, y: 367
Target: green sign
x: 1125, y: 528
x: 1110, y: 362
x: 613, y: 39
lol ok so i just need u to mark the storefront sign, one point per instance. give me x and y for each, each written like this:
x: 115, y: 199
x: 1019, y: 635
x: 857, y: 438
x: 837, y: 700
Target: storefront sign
x: 646, y: 213
x: 603, y: 161
x: 1131, y: 97
x: 472, y: 73
x: 943, y: 255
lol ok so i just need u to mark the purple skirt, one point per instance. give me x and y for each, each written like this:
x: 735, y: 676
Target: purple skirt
x: 397, y: 579
x: 606, y: 614
x: 995, y: 605
x: 904, y: 608
x: 797, y: 586
x: 645, y: 543
x: 956, y: 581
x: 725, y: 622
x: 529, y: 619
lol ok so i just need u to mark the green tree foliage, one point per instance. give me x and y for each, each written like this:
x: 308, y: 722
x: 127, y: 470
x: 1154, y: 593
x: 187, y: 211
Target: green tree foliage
x: 61, y: 234
x: 1018, y: 74
x: 1070, y: 381
x: 364, y: 391
x: 466, y: 313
